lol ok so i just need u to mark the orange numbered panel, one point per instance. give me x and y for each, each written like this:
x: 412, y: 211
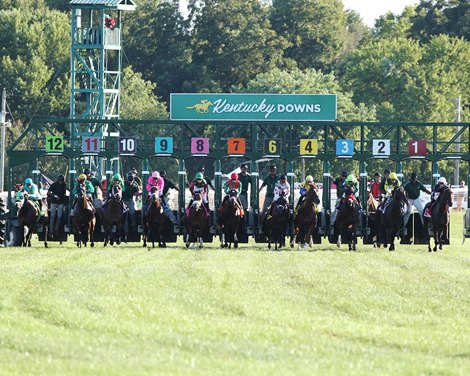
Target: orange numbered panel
x: 236, y: 145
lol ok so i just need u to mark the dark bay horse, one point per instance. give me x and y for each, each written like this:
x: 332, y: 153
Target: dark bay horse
x: 306, y: 219
x: 347, y: 221
x: 196, y: 223
x: 29, y: 216
x: 154, y: 221
x: 229, y: 221
x: 112, y: 216
x: 275, y: 227
x: 391, y: 220
x: 84, y: 220
x: 440, y: 218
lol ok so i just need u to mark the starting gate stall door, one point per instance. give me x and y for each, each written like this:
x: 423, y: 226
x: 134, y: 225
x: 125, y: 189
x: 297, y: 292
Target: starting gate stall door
x: 229, y: 164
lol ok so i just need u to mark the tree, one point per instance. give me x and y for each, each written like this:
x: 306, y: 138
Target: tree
x: 232, y: 42
x: 34, y: 61
x: 434, y: 17
x: 137, y: 98
x: 158, y: 46
x: 315, y: 30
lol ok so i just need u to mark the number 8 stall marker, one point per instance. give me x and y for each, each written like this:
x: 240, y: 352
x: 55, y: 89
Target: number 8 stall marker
x: 199, y: 145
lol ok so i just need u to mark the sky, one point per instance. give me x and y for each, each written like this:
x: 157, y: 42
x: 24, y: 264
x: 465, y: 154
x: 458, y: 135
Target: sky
x: 373, y: 9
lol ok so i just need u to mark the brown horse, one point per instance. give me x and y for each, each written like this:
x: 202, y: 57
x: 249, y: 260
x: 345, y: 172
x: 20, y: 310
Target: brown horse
x: 154, y: 221
x: 347, y: 221
x: 306, y: 219
x: 229, y: 221
x: 275, y: 227
x: 112, y: 217
x: 391, y: 220
x: 84, y: 220
x: 440, y: 218
x: 196, y: 223
x: 29, y: 216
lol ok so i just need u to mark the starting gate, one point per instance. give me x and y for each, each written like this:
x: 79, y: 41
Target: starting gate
x: 319, y: 146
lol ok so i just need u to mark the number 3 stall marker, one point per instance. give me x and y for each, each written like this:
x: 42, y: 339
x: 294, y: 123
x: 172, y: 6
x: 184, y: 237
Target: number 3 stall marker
x: 344, y: 148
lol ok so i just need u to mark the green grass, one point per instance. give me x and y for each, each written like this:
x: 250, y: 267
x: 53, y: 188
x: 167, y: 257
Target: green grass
x: 130, y: 310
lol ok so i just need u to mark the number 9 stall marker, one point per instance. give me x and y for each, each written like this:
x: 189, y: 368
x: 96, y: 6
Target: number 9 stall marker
x: 199, y: 145
x: 163, y: 145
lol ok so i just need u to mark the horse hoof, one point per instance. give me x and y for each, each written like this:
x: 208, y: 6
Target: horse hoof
x: 235, y: 245
x: 92, y: 244
x: 338, y: 245
x: 187, y: 245
x: 429, y: 250
x: 111, y: 243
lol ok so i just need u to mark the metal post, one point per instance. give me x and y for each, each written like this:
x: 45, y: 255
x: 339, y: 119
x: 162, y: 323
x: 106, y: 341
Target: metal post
x: 363, y: 193
x: 182, y: 187
x: 254, y: 197
x: 218, y: 189
x: 457, y: 147
x: 3, y: 124
x: 326, y: 199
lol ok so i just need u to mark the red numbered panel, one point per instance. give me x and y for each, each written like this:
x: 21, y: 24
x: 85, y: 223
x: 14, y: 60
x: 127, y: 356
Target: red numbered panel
x: 417, y: 147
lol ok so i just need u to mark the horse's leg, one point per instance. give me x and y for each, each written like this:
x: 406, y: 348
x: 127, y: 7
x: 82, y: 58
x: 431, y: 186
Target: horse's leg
x: 29, y: 235
x: 393, y: 233
x: 338, y: 243
x: 187, y: 240
x: 235, y: 240
x: 222, y: 239
x: 92, y: 230
x: 201, y: 243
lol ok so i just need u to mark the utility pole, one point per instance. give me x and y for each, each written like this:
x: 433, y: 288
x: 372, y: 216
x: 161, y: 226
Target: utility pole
x: 457, y: 146
x: 3, y: 125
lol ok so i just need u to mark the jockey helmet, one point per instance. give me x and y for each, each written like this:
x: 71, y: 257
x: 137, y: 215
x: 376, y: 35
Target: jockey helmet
x: 309, y: 178
x: 28, y: 181
x: 82, y: 177
x: 283, y: 177
x: 199, y: 175
x: 414, y: 175
x: 130, y: 176
x: 351, y: 179
x: 162, y: 173
x: 393, y: 176
x: 87, y: 171
x: 377, y: 175
x: 155, y: 174
x: 60, y: 178
x: 344, y: 174
x: 234, y: 176
x: 116, y: 176
x: 442, y: 180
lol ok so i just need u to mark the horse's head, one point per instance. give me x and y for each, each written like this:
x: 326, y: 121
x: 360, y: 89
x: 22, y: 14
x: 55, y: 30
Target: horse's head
x: 153, y: 189
x: 447, y: 196
x: 81, y: 190
x: 312, y: 195
x: 400, y: 195
x: 116, y: 191
x: 232, y: 196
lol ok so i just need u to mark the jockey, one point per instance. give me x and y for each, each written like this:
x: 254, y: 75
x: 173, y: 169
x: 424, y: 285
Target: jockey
x: 282, y: 187
x: 437, y: 190
x: 390, y: 185
x: 89, y: 190
x: 199, y: 185
x: 233, y: 183
x: 115, y: 180
x: 155, y: 180
x: 375, y: 186
x: 128, y: 196
x: 304, y: 188
x: 18, y: 191
x: 33, y: 192
x: 351, y: 190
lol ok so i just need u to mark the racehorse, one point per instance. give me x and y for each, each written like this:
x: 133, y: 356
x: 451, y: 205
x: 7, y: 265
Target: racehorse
x: 347, y: 221
x: 275, y: 227
x: 440, y: 218
x: 391, y: 220
x: 196, y: 222
x: 112, y: 216
x: 84, y: 220
x: 229, y: 221
x: 372, y: 207
x: 154, y: 221
x: 306, y: 219
x: 29, y: 216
